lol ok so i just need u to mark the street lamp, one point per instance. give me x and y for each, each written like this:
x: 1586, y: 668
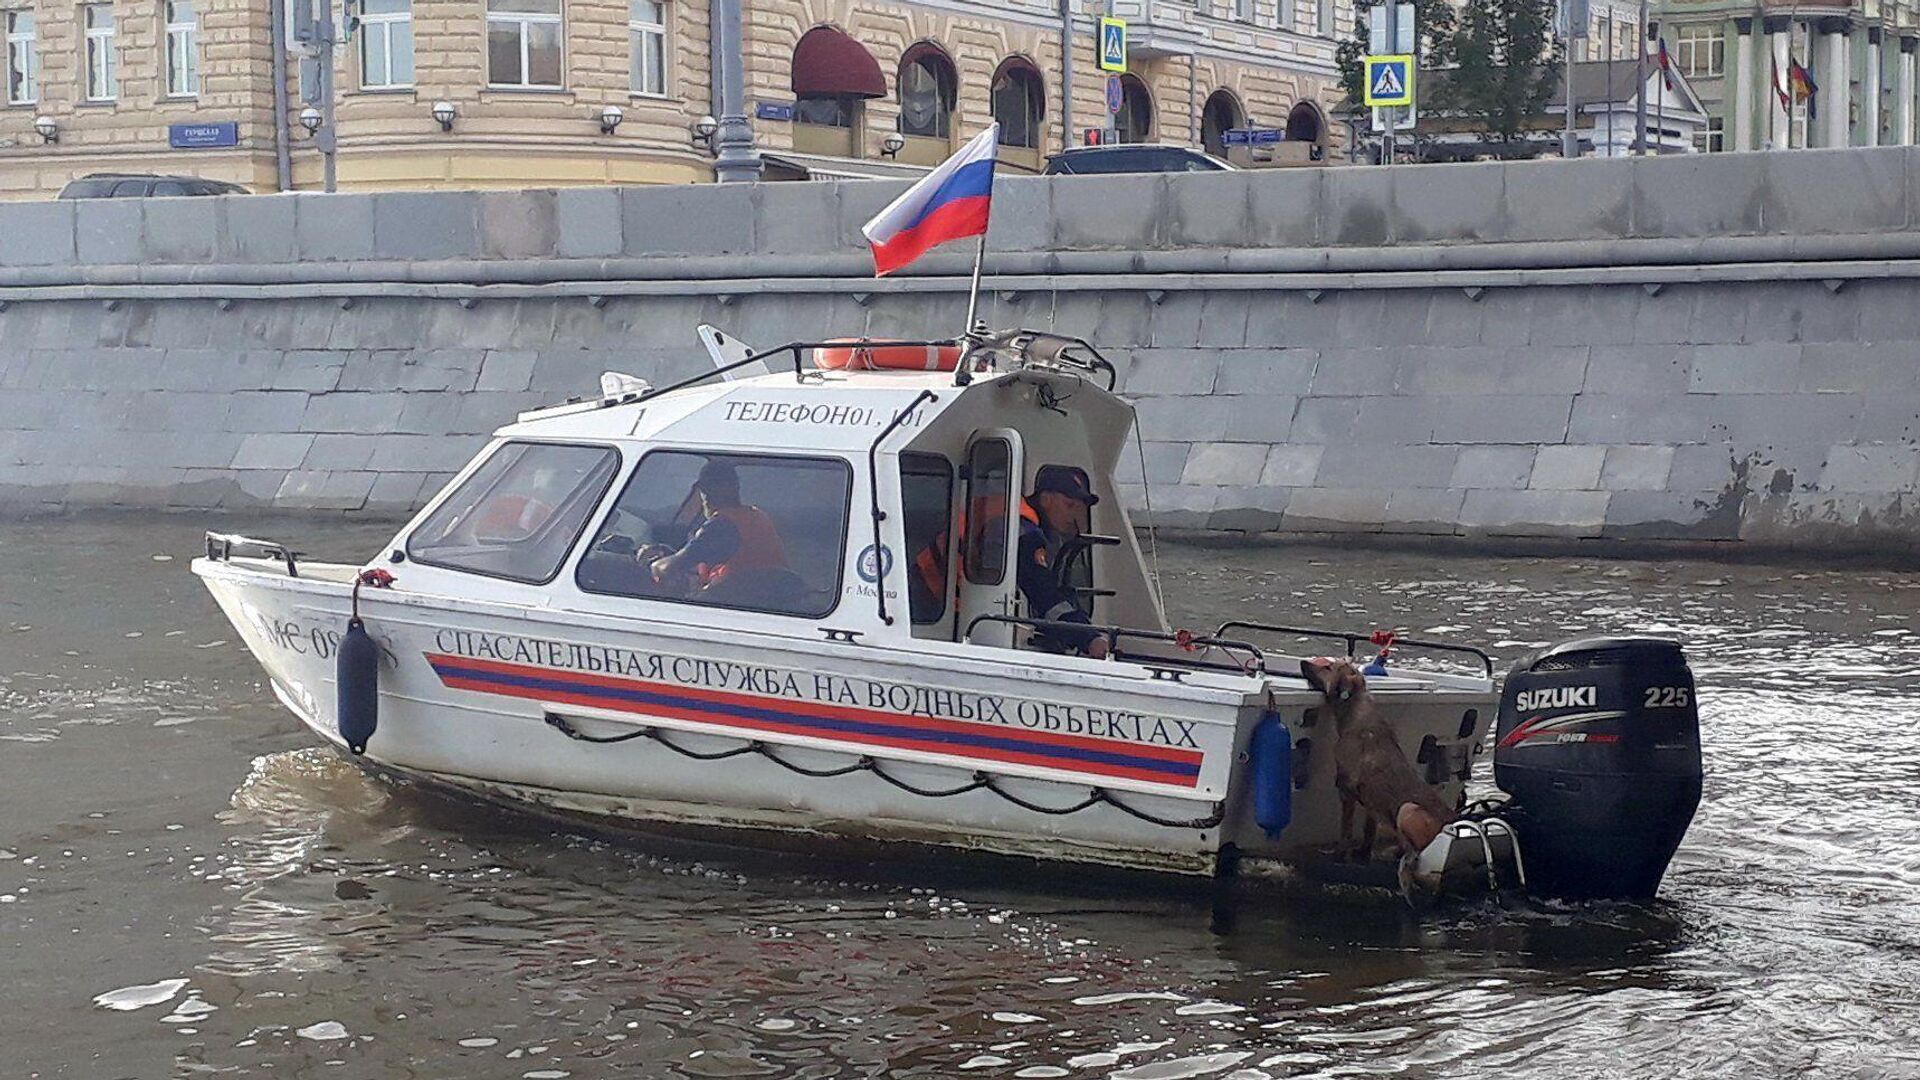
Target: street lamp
x: 703, y: 130
x: 610, y: 118
x: 310, y: 119
x: 443, y: 113
x: 893, y: 143
x: 48, y: 127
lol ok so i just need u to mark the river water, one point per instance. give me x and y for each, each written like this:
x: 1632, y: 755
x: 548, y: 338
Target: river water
x: 173, y: 845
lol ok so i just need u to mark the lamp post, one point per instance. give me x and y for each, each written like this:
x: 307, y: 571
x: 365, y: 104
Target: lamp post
x: 736, y: 159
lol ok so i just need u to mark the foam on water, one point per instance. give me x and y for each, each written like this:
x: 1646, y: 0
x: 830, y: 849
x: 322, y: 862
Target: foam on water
x: 129, y: 998
x: 324, y: 1031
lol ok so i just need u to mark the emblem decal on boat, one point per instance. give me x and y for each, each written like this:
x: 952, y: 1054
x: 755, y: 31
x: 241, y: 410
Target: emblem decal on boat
x: 752, y: 700
x: 874, y: 566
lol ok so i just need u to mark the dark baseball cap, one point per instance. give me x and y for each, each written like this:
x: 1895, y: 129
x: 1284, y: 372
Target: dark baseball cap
x: 718, y: 474
x: 1068, y: 482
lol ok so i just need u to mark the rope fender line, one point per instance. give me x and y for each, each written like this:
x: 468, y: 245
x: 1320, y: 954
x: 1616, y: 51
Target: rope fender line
x: 1095, y: 796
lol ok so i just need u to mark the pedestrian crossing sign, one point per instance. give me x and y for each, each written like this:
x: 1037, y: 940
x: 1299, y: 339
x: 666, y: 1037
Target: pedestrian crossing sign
x: 1389, y: 80
x: 1113, y: 45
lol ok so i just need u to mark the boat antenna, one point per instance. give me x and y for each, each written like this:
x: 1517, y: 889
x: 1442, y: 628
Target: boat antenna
x: 1153, y: 539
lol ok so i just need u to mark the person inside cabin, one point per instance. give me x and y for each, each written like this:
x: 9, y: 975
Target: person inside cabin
x: 734, y: 555
x: 1059, y: 503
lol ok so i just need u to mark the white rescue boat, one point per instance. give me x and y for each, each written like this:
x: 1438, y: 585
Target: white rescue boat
x: 858, y: 659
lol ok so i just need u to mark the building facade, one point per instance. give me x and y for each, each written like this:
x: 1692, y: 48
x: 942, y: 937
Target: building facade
x: 516, y: 93
x: 1859, y: 55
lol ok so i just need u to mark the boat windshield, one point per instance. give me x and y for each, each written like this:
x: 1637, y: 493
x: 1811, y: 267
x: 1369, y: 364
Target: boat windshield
x: 519, y: 513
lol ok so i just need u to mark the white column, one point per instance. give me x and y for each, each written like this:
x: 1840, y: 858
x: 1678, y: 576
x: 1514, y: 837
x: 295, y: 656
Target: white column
x: 1834, y: 78
x: 1746, y: 56
x: 1779, y: 131
x: 1870, y: 92
x: 1903, y: 96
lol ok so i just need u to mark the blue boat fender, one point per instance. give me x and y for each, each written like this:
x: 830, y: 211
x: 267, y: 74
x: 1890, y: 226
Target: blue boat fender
x: 357, y: 672
x: 1270, y: 774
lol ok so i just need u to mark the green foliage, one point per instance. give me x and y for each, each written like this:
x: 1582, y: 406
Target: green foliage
x: 1434, y: 26
x: 1508, y: 63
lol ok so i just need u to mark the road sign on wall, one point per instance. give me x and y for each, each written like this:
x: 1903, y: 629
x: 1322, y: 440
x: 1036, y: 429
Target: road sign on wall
x: 1116, y: 94
x: 1389, y: 80
x: 1113, y: 44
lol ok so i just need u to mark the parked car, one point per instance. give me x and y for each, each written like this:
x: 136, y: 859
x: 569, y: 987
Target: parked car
x: 1132, y: 157
x: 141, y: 185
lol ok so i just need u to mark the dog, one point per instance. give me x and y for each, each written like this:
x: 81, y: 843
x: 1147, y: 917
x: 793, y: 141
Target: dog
x: 1370, y: 770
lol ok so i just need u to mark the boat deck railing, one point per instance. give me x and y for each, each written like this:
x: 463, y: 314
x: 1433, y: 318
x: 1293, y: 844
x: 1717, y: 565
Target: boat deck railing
x: 1353, y: 639
x: 1171, y: 668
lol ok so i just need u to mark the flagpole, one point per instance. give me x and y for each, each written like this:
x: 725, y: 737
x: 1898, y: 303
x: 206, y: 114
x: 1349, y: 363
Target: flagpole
x: 973, y: 291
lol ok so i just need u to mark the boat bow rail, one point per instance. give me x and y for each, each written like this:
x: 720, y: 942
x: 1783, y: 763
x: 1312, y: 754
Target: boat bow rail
x: 222, y: 547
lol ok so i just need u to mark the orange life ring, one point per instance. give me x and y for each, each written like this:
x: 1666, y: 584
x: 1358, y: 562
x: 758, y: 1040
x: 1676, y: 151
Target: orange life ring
x: 862, y: 355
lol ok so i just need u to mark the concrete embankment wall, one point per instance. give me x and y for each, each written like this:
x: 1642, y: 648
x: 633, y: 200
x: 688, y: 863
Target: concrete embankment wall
x: 1721, y: 348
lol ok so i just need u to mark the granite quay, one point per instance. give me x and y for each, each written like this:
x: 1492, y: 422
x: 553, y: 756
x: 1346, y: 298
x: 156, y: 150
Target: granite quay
x: 1716, y: 348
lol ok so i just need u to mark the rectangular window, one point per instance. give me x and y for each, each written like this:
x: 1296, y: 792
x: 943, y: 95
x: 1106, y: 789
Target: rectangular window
x: 1599, y: 48
x: 1243, y: 10
x: 183, y: 49
x: 990, y: 496
x: 519, y: 513
x: 524, y: 43
x: 23, y: 59
x: 386, y: 44
x: 926, y: 512
x: 748, y: 531
x: 1702, y: 51
x: 102, y: 75
x: 1323, y: 18
x: 647, y: 37
x: 1714, y: 138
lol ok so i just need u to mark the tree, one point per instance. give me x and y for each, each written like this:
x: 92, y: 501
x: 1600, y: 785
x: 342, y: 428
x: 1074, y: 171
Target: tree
x: 1507, y: 63
x: 1433, y: 23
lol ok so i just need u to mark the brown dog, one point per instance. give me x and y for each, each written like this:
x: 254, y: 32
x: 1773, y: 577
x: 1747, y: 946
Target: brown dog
x: 1370, y: 769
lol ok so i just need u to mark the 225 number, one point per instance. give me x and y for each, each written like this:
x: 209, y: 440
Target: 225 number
x: 1669, y: 697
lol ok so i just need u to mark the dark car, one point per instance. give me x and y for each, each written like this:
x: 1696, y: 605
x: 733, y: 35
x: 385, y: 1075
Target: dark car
x: 1131, y: 158
x: 141, y: 185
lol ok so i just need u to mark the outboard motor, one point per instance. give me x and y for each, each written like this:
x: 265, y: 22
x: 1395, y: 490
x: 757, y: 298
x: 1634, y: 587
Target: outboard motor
x: 1598, y: 743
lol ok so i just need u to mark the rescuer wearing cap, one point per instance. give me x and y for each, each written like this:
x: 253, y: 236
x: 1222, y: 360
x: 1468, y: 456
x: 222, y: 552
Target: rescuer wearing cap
x: 734, y: 538
x: 1060, y: 500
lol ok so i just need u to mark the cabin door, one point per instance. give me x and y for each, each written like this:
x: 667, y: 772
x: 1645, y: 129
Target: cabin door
x: 990, y: 533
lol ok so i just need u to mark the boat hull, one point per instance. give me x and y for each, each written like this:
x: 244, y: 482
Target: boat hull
x: 982, y: 749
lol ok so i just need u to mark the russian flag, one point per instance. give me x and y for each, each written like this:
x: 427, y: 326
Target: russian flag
x: 950, y: 203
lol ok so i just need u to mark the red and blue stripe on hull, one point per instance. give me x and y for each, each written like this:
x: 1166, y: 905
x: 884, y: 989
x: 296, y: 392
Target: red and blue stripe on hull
x: 755, y: 714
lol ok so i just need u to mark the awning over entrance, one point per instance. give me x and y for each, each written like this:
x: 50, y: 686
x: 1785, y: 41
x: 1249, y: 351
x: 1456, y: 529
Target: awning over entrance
x: 828, y: 63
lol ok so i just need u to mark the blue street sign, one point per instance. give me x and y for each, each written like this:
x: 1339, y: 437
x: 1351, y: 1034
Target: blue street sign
x: 1113, y: 45
x: 1253, y: 136
x: 203, y: 136
x: 1389, y: 80
x: 1116, y: 95
x: 773, y: 110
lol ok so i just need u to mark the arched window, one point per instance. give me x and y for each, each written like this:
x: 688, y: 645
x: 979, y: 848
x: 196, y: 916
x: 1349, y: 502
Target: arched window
x: 1220, y: 115
x: 1134, y: 123
x: 1305, y: 124
x: 832, y: 74
x: 928, y: 89
x: 1019, y: 102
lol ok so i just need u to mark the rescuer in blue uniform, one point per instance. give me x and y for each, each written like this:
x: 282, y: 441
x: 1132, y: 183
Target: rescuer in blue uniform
x: 1060, y: 501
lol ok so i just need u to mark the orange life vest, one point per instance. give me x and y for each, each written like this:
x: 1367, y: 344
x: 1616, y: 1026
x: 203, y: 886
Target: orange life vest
x: 509, y: 518
x: 760, y: 547
x: 932, y: 559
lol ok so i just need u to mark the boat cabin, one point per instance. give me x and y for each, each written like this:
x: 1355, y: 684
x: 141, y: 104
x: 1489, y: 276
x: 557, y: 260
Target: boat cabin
x: 869, y: 505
